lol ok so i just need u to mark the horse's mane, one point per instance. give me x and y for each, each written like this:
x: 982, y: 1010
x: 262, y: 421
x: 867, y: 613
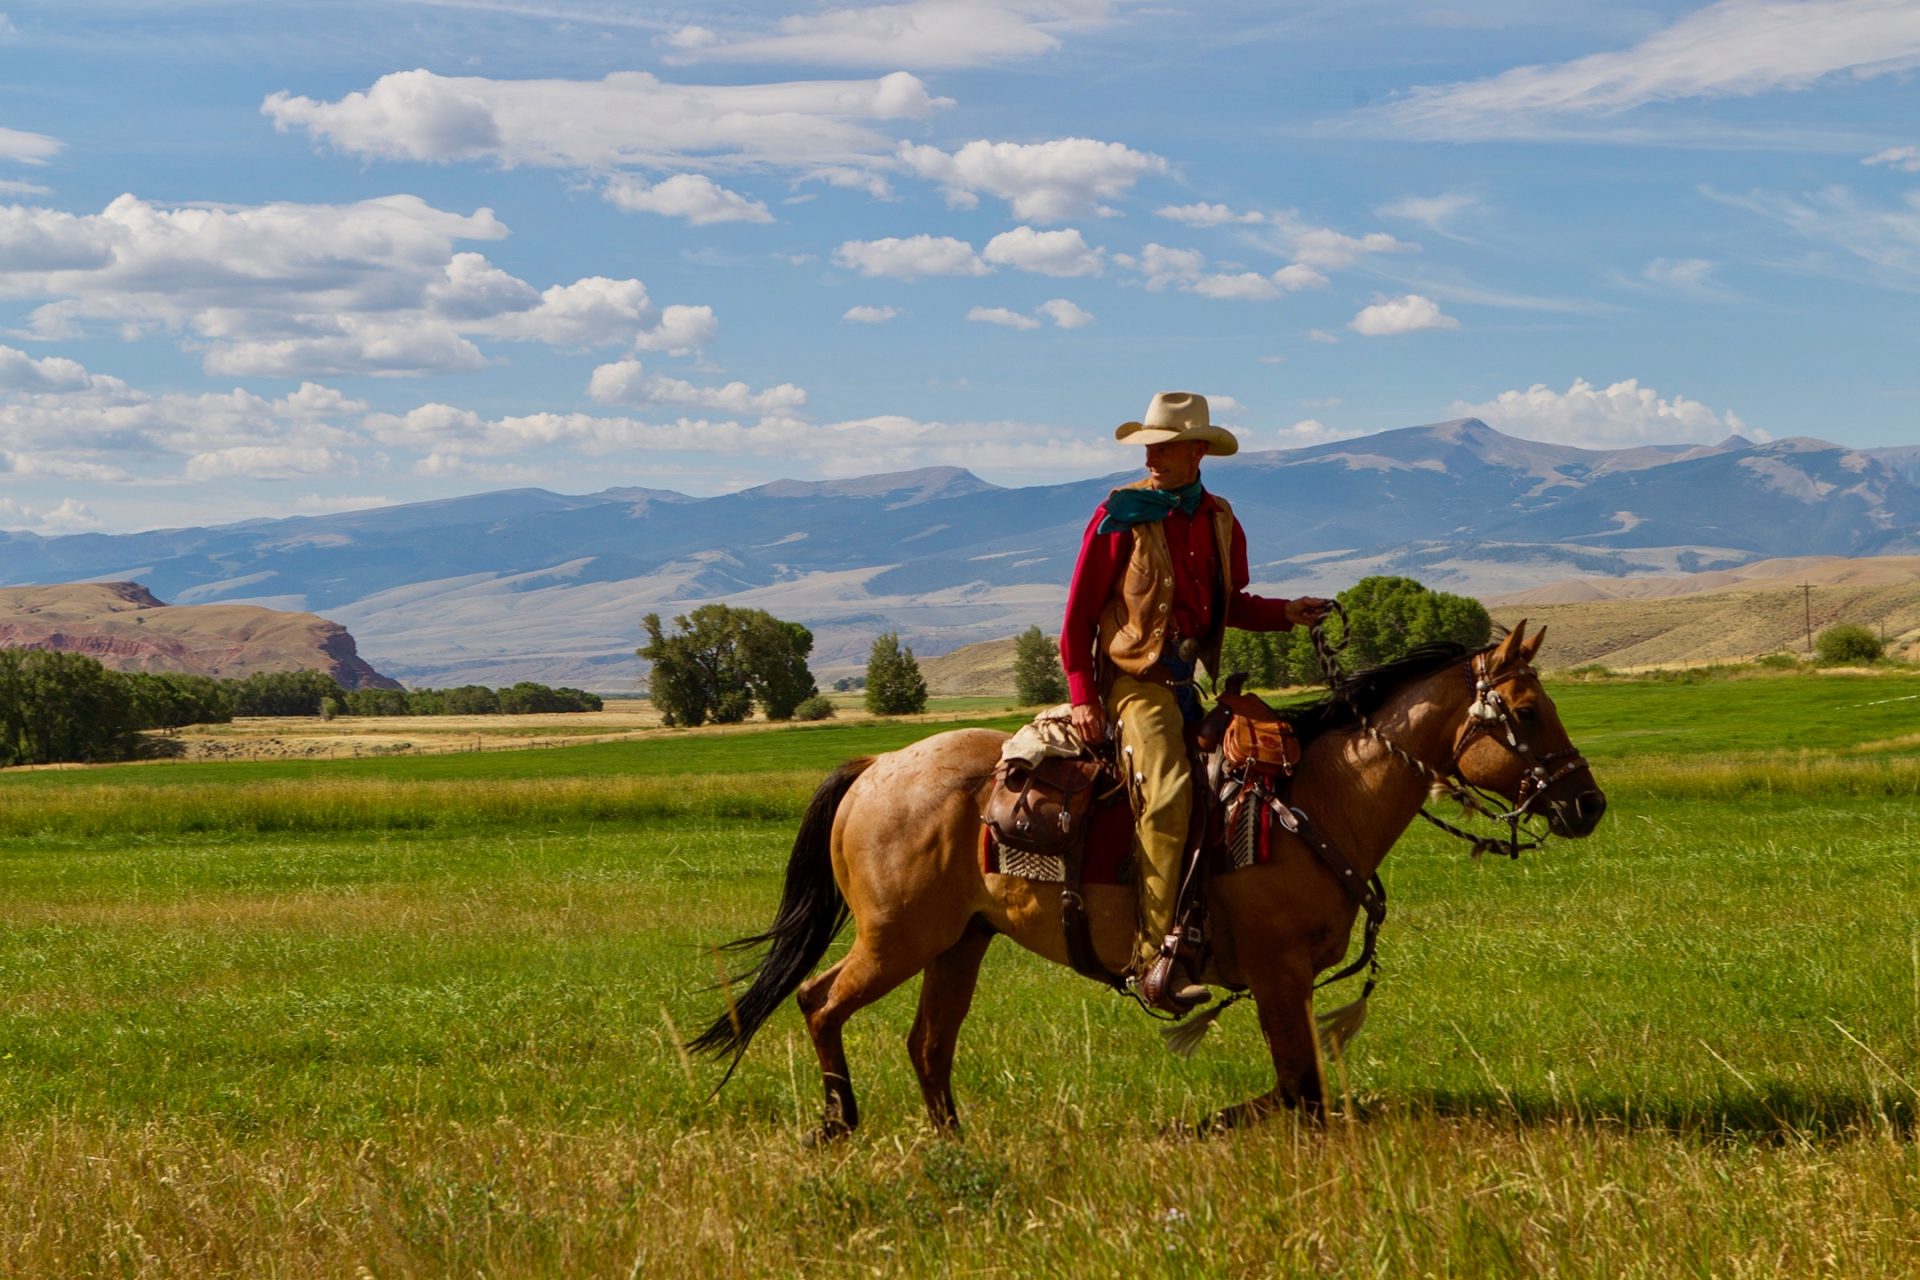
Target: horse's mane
x: 1363, y: 692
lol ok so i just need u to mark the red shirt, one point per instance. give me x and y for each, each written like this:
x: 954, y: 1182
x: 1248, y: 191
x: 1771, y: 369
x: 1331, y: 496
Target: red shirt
x: 1104, y: 556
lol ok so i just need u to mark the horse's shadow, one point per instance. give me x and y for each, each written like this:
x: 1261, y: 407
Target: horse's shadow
x: 1778, y: 1113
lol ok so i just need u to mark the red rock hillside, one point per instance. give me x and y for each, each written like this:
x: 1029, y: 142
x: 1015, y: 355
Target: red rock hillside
x: 127, y: 629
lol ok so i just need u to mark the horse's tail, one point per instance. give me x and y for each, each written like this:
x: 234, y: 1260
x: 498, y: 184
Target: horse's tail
x: 811, y: 913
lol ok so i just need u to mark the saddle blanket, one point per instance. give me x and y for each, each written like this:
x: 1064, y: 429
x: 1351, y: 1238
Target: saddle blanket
x: 1109, y: 855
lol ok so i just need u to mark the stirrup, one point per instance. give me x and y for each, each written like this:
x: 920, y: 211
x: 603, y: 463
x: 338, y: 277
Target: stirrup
x: 1157, y: 985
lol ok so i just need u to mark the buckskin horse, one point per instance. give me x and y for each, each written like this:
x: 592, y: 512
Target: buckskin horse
x: 892, y: 841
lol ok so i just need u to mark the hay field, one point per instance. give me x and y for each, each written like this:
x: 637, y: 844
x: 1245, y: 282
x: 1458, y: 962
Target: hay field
x: 417, y: 1016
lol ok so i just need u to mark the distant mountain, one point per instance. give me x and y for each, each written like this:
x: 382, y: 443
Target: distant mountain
x: 526, y: 584
x: 128, y: 629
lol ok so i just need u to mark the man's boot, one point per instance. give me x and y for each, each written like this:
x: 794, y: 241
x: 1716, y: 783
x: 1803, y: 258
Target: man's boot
x: 1167, y: 984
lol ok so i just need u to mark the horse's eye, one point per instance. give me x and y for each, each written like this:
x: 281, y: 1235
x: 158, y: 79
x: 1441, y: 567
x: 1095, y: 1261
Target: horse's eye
x: 1528, y: 713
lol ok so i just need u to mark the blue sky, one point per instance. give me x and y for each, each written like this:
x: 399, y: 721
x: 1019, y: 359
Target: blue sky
x: 263, y: 259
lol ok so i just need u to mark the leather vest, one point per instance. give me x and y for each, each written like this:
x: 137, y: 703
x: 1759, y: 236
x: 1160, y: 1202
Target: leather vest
x: 1135, y: 619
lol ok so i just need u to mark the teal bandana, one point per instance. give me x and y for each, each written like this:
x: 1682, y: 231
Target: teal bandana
x: 1129, y: 507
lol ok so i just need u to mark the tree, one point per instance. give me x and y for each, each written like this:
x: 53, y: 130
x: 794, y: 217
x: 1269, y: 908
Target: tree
x: 471, y: 700
x: 1037, y: 677
x: 1261, y: 654
x: 284, y: 693
x: 895, y: 686
x: 59, y: 707
x: 1848, y: 642
x: 720, y: 661
x: 1390, y: 617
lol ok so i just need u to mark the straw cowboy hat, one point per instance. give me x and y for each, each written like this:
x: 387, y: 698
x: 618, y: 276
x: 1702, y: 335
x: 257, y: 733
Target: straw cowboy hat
x: 1177, y: 416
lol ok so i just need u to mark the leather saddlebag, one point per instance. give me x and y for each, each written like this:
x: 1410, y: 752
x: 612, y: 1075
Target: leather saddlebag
x: 1262, y: 746
x: 1044, y: 809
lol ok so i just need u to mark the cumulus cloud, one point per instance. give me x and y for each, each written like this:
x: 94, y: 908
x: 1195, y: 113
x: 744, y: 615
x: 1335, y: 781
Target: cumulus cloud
x: 1905, y: 159
x: 378, y: 286
x: 1002, y: 316
x: 1047, y: 253
x: 1041, y: 181
x: 681, y: 329
x: 1410, y: 314
x: 1066, y: 314
x: 69, y: 516
x: 22, y: 147
x: 1160, y: 266
x: 1734, y: 48
x: 1622, y: 414
x: 626, y: 382
x: 1208, y: 215
x: 1308, y: 432
x: 932, y: 34
x: 628, y: 120
x: 911, y: 257
x: 870, y: 315
x: 692, y: 196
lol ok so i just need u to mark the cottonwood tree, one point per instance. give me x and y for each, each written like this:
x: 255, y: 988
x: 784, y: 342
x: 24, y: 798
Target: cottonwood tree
x: 1390, y: 616
x: 1037, y: 677
x: 720, y: 661
x: 895, y: 686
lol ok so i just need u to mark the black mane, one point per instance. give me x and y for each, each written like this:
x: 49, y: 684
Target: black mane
x: 1362, y: 692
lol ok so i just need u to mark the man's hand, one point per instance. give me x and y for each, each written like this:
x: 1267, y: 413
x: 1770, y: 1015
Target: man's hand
x: 1090, y: 722
x: 1305, y: 611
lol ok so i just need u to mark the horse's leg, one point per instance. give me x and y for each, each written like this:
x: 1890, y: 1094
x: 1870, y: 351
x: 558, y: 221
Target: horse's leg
x: 1285, y: 1003
x: 946, y: 993
x: 867, y: 972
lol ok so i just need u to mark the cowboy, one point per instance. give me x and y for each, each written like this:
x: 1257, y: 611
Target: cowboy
x: 1161, y: 574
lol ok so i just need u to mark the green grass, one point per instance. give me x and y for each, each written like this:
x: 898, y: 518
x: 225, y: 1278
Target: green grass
x: 236, y: 1040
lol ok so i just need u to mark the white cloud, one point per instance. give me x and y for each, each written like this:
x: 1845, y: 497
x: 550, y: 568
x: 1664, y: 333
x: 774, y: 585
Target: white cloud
x: 1887, y: 238
x: 1224, y: 408
x: 911, y: 257
x: 1048, y: 253
x: 870, y: 315
x: 1437, y: 213
x: 1688, y: 277
x: 15, y: 187
x: 1002, y: 316
x: 681, y: 329
x: 629, y: 119
x: 916, y: 33
x: 1207, y: 215
x: 1308, y: 432
x: 1332, y: 250
x: 70, y: 516
x: 624, y: 382
x: 693, y: 196
x: 1160, y: 266
x: 1734, y: 48
x: 1905, y: 159
x: 286, y: 290
x: 1410, y: 314
x: 1623, y: 414
x: 1041, y: 181
x: 1251, y: 286
x: 264, y: 462
x: 21, y: 372
x: 1321, y: 335
x: 22, y: 147
x: 1066, y: 314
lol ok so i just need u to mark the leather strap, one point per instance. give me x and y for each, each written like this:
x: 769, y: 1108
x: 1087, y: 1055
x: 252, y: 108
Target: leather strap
x: 1369, y: 893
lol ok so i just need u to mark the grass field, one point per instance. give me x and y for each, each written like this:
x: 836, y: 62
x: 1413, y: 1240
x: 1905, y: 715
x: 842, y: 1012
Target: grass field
x: 417, y: 1017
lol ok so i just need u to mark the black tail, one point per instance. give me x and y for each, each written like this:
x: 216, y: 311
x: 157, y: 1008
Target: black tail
x: 811, y: 913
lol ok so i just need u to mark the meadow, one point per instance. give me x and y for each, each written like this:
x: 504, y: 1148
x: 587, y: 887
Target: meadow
x: 420, y: 1016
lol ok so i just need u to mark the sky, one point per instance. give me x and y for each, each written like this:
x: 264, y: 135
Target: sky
x: 264, y: 259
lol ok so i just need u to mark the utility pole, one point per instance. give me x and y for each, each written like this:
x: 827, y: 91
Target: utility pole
x: 1806, y: 590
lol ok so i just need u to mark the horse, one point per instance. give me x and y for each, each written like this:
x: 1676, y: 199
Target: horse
x: 892, y: 842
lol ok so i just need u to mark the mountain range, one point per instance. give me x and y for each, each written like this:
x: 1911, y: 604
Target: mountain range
x: 528, y: 584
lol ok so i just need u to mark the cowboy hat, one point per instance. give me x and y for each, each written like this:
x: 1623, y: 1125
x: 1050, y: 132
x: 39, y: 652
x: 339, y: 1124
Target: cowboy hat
x: 1176, y: 416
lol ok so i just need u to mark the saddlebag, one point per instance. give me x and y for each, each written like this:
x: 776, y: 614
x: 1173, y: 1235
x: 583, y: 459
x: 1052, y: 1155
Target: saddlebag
x: 1041, y: 808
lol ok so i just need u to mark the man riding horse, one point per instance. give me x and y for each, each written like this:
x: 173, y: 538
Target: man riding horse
x: 1162, y: 572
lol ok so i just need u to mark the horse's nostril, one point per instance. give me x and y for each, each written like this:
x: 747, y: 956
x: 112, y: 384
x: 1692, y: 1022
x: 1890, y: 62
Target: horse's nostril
x: 1588, y: 806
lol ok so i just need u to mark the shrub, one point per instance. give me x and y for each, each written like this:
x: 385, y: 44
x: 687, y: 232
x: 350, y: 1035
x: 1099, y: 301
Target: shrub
x: 1776, y: 661
x: 818, y: 707
x: 1848, y: 642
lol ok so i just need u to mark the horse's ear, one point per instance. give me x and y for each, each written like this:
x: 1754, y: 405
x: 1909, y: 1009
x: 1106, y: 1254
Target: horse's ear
x: 1503, y: 652
x: 1532, y: 646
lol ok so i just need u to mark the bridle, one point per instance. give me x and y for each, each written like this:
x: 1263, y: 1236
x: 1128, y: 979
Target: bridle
x: 1492, y: 717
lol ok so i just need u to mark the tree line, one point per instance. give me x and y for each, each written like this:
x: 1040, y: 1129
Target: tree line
x: 67, y: 707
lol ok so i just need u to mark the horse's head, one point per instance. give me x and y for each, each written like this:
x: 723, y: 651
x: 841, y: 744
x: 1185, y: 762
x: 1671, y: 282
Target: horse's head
x: 1513, y: 743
